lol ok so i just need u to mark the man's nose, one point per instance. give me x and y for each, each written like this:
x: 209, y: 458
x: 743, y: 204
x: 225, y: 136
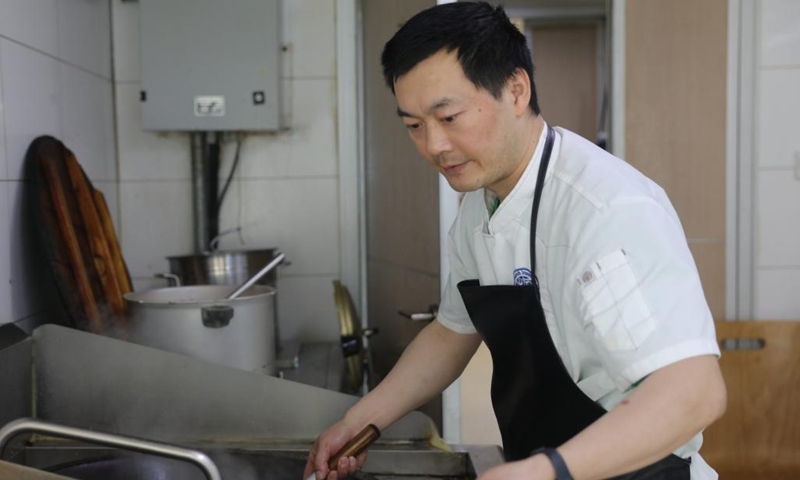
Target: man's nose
x: 436, y: 141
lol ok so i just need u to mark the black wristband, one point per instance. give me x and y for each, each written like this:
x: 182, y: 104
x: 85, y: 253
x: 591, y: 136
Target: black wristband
x: 559, y: 465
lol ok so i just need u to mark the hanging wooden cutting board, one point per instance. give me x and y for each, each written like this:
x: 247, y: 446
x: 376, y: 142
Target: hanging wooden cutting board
x: 89, y: 270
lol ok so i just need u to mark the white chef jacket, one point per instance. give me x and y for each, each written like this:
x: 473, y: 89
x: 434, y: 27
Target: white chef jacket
x: 619, y: 287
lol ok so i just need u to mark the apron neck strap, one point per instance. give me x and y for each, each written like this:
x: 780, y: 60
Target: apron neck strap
x: 537, y: 195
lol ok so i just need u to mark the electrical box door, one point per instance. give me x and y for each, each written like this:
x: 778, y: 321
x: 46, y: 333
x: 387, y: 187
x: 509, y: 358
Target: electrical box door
x: 210, y: 65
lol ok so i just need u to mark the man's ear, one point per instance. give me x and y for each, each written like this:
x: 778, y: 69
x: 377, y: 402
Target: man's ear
x: 519, y: 84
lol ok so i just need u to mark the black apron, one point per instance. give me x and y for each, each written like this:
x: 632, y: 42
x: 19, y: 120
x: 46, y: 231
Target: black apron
x: 535, y: 400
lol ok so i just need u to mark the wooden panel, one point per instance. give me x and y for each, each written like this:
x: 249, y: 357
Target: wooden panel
x: 710, y: 260
x: 402, y: 190
x: 759, y: 435
x: 402, y: 202
x: 676, y: 107
x: 565, y: 60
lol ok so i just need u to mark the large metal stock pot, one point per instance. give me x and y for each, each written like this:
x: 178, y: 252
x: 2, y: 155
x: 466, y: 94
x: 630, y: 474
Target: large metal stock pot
x: 197, y: 321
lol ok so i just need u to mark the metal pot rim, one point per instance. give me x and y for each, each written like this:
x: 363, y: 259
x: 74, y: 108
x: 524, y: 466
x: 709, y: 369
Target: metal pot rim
x: 209, y: 254
x: 256, y: 293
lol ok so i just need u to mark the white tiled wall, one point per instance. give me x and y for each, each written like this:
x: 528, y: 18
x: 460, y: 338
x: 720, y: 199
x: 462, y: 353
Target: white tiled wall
x: 286, y: 191
x: 777, y: 203
x: 5, y: 255
x: 55, y: 78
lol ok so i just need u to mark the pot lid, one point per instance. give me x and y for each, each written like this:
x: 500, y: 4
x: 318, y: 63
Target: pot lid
x: 351, y: 336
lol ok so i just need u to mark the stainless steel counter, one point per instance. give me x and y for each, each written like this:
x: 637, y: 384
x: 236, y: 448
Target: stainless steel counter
x: 103, y: 384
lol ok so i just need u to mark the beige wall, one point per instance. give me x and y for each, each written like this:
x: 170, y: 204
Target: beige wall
x: 675, y: 79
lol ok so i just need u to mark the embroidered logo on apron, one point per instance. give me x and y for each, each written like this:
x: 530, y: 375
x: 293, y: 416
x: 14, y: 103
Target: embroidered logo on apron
x: 523, y: 276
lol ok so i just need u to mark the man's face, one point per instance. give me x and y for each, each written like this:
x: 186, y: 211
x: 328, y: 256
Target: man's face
x: 463, y: 131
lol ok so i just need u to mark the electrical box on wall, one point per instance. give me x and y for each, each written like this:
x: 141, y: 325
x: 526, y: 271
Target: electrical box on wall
x: 210, y: 65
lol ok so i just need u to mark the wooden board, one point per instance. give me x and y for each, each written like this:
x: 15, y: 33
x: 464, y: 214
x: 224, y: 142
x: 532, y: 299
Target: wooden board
x: 123, y: 275
x: 759, y: 435
x: 87, y: 263
x: 96, y: 236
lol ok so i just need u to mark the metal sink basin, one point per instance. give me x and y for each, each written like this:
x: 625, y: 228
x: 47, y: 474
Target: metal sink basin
x: 252, y: 462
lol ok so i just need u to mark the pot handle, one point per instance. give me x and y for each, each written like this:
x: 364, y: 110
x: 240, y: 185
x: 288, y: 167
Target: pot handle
x: 217, y: 316
x: 172, y: 279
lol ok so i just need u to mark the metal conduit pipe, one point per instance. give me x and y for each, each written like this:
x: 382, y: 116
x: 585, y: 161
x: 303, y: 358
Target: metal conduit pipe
x: 199, y: 201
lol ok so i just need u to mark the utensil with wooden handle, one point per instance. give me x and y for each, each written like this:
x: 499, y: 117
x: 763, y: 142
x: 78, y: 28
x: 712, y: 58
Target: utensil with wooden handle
x: 355, y: 447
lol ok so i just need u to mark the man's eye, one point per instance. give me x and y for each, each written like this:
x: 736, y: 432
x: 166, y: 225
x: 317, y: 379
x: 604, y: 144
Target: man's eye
x: 449, y: 119
x: 413, y: 126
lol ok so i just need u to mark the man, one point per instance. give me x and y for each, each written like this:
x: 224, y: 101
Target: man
x: 571, y: 265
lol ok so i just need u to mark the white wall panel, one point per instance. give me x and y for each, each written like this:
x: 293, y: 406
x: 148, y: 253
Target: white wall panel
x: 156, y: 222
x: 776, y: 295
x: 125, y: 18
x: 31, y: 22
x: 306, y: 309
x: 310, y: 34
x: 780, y: 33
x: 779, y: 116
x: 777, y: 219
x: 84, y: 35
x: 87, y: 120
x: 31, y: 93
x: 5, y: 256
x: 3, y: 162
x: 299, y: 216
x: 308, y: 147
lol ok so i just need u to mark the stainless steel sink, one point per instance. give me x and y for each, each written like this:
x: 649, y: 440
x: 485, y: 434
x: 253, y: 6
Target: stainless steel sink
x: 385, y: 462
x: 107, y: 385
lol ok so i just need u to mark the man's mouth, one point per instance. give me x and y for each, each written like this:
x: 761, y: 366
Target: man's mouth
x: 454, y: 168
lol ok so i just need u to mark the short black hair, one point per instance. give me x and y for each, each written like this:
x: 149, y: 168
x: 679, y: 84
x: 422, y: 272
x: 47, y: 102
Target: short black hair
x: 490, y: 48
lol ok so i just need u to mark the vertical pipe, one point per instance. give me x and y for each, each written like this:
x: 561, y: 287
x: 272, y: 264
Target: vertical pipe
x: 212, y: 186
x: 198, y: 191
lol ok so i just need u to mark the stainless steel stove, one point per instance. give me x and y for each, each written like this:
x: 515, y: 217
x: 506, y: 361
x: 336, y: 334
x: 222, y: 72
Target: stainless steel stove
x: 97, y: 383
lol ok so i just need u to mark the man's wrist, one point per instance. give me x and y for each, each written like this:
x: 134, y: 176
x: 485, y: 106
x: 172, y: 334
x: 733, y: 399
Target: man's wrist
x: 557, y: 466
x: 541, y: 467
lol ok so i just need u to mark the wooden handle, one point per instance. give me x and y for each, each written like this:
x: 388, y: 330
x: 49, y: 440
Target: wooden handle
x: 356, y: 445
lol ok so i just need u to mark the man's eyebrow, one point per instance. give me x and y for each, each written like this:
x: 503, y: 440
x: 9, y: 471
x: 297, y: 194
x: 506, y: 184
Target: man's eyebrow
x: 436, y: 106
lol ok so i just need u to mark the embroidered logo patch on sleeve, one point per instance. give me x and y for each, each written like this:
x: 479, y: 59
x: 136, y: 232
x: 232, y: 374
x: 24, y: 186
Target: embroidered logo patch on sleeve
x: 523, y: 276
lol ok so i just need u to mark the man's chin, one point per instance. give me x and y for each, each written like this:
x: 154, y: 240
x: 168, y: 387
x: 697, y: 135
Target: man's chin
x: 461, y: 187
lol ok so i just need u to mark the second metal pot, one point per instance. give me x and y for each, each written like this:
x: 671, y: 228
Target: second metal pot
x: 223, y: 267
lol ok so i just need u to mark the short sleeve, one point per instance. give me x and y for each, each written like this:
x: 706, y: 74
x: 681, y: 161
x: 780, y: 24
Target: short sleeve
x: 452, y: 312
x: 637, y: 291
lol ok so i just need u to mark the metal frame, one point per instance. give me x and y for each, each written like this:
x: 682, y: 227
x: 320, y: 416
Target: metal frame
x: 617, y: 138
x: 742, y: 21
x: 351, y: 159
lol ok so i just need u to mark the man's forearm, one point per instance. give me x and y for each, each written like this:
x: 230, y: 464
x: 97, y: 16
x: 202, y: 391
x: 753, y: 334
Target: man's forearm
x: 435, y: 358
x: 663, y: 413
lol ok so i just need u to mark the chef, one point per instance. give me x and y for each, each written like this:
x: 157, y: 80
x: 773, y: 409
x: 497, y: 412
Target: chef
x: 567, y: 262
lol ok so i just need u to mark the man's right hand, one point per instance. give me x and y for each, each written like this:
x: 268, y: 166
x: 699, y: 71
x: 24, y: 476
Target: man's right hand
x: 435, y: 358
x: 327, y: 445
